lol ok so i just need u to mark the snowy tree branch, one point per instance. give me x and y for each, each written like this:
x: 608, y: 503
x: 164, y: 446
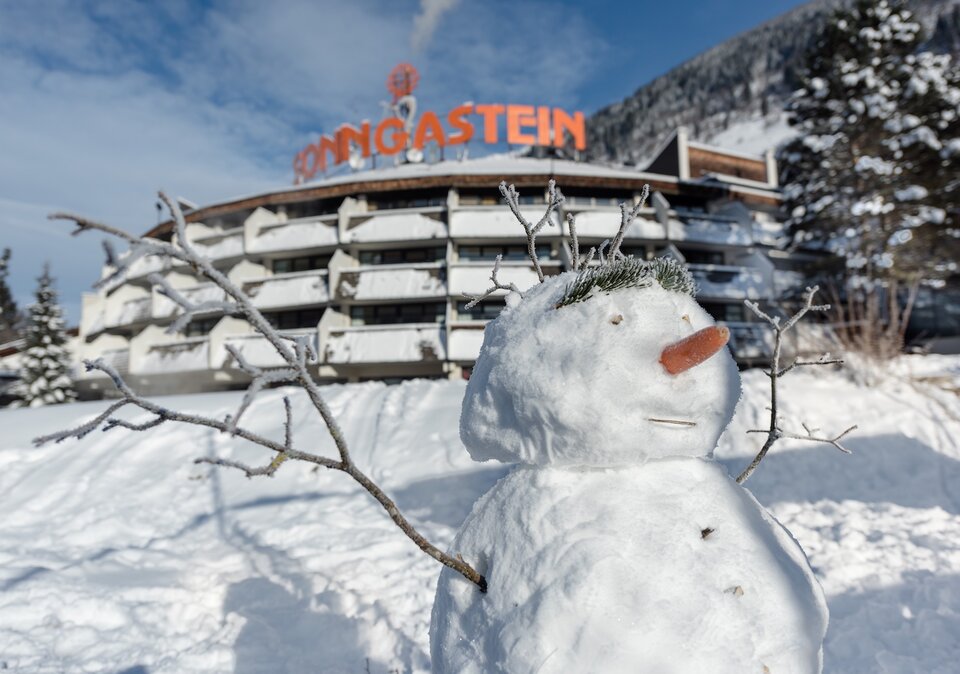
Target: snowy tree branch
x: 554, y: 200
x: 296, y: 353
x: 775, y: 431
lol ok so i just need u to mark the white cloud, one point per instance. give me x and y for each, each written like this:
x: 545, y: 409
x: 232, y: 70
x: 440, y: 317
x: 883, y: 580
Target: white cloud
x: 425, y: 23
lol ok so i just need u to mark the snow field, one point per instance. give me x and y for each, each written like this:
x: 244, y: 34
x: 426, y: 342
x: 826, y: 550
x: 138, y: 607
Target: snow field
x: 118, y: 554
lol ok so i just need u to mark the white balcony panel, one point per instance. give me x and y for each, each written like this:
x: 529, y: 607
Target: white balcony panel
x: 289, y: 290
x: 708, y: 230
x: 118, y: 359
x: 605, y: 225
x: 221, y: 248
x: 294, y: 236
x: 206, y: 292
x: 730, y: 283
x: 465, y: 343
x: 391, y: 282
x: 499, y: 222
x: 184, y: 356
x: 148, y: 264
x: 257, y: 351
x: 129, y: 312
x: 413, y: 343
x: 397, y: 227
x: 474, y: 279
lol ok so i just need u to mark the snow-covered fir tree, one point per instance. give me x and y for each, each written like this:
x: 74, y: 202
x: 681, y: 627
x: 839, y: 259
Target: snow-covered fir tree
x: 45, y: 371
x: 9, y: 313
x: 873, y: 173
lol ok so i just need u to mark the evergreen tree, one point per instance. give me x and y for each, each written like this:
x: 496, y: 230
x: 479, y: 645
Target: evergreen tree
x: 9, y: 314
x: 873, y: 173
x: 45, y: 372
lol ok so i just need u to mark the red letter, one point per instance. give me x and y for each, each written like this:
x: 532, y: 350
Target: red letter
x: 361, y: 136
x: 490, y: 114
x: 399, y: 136
x: 562, y: 122
x: 457, y: 121
x: 428, y: 122
x: 517, y: 116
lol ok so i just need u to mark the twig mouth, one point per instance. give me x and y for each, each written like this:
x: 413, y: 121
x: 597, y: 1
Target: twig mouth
x: 675, y: 422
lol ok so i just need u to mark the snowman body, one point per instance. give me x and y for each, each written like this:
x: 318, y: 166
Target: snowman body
x: 616, y: 544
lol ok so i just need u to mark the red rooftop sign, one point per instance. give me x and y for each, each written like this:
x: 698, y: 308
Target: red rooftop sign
x: 525, y: 125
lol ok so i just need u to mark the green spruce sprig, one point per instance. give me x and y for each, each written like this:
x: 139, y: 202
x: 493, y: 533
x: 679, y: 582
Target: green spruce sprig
x: 628, y: 272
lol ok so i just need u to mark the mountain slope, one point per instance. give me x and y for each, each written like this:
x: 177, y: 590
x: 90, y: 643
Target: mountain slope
x: 741, y: 81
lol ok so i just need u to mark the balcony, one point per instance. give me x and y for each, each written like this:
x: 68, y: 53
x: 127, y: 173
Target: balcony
x: 295, y: 235
x: 131, y: 311
x: 182, y: 356
x: 221, y: 246
x: 118, y: 359
x: 716, y: 281
x: 474, y: 277
x: 289, y: 290
x: 604, y: 224
x: 498, y: 221
x: 709, y: 229
x: 205, y: 292
x: 257, y: 351
x: 465, y: 342
x: 404, y: 225
x: 389, y: 282
x: 409, y: 343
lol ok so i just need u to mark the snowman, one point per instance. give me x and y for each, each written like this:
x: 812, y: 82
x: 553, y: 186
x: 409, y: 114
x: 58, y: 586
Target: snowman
x: 617, y: 544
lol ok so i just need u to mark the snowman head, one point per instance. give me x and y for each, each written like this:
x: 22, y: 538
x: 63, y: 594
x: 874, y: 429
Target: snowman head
x: 612, y: 365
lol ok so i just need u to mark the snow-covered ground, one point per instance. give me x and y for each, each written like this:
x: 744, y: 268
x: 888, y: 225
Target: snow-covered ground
x: 119, y: 555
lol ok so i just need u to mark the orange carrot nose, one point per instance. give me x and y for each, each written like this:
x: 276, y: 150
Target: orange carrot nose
x: 693, y: 350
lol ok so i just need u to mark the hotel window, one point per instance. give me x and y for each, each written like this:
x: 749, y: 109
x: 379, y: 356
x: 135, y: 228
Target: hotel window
x: 508, y: 252
x: 484, y: 311
x: 402, y: 256
x: 702, y: 256
x: 294, y: 319
x: 387, y: 314
x: 304, y: 263
x: 725, y: 312
x: 200, y: 327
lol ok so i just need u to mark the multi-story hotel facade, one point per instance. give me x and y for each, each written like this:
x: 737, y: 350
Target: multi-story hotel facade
x: 374, y: 265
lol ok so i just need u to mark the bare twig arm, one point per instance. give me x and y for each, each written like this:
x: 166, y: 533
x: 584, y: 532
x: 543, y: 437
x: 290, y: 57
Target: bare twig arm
x: 296, y: 353
x: 774, y: 431
x: 554, y: 200
x: 476, y: 299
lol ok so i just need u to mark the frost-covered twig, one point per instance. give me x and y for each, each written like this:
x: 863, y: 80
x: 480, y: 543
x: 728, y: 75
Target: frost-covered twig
x: 627, y: 216
x: 476, y: 299
x: 297, y: 355
x: 574, y: 242
x: 554, y: 199
x: 775, y: 431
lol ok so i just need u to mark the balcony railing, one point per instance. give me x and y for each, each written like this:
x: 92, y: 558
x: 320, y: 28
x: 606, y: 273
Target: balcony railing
x: 221, y: 246
x: 711, y: 230
x: 183, y: 356
x: 289, y: 290
x: 295, y: 235
x: 386, y: 282
x: 496, y: 221
x: 118, y: 359
x: 131, y: 311
x: 474, y: 277
x: 205, y: 292
x: 410, y: 343
x: 400, y: 225
x: 721, y: 281
x: 257, y: 351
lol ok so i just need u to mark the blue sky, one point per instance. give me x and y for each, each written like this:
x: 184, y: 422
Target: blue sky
x: 104, y: 102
